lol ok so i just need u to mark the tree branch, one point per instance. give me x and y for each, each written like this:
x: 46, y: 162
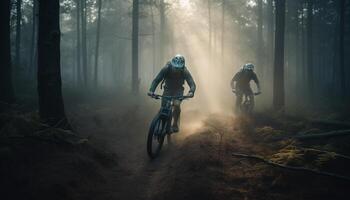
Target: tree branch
x: 302, y: 169
x: 304, y: 136
x: 326, y: 134
x: 323, y: 151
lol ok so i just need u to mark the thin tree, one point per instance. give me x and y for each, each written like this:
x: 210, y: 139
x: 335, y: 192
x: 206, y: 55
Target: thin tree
x: 98, y: 31
x: 269, y: 26
x: 342, y: 47
x: 32, y: 58
x: 209, y: 32
x: 153, y: 41
x: 135, y: 46
x: 294, y: 40
x: 18, y: 32
x: 310, y: 70
x: 79, y: 71
x: 303, y: 49
x: 51, y: 108
x: 260, y: 37
x: 278, y: 78
x: 223, y: 32
x: 298, y: 59
x: 6, y: 87
x: 162, y: 30
x: 269, y: 39
x: 83, y: 14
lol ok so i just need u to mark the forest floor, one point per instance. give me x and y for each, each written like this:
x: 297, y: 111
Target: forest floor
x: 214, y: 157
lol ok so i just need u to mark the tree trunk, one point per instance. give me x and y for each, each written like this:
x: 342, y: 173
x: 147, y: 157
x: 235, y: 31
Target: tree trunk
x: 18, y: 33
x: 303, y: 51
x: 310, y: 71
x: 51, y: 108
x: 298, y: 66
x: 278, y: 81
x: 31, y: 64
x: 268, y: 69
x: 270, y: 30
x: 294, y: 44
x: 79, y: 71
x: 162, y: 30
x: 6, y: 87
x: 260, y: 38
x: 84, y: 46
x: 223, y: 33
x: 210, y: 33
x: 342, y: 48
x: 153, y: 43
x: 135, y: 46
x: 97, y: 41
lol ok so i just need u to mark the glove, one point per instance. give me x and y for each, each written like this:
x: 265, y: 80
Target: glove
x: 190, y: 94
x: 150, y: 93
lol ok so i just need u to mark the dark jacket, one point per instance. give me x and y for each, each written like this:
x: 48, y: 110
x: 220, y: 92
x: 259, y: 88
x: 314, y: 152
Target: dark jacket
x: 243, y: 78
x: 174, y: 80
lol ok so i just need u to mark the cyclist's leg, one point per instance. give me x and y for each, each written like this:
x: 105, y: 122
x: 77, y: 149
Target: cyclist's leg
x: 164, y: 100
x: 239, y: 98
x: 252, y: 101
x: 251, y: 98
x: 176, y: 115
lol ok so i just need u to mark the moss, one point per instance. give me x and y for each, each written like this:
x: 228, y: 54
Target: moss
x: 289, y: 156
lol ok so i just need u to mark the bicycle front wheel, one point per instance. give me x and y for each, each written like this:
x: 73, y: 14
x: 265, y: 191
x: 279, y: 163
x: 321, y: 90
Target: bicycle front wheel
x: 156, y: 136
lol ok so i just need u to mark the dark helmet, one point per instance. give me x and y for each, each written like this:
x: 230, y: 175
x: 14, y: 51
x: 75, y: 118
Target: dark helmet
x: 178, y: 61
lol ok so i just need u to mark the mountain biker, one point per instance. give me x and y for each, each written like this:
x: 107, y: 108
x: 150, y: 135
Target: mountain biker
x: 240, y: 84
x: 174, y: 74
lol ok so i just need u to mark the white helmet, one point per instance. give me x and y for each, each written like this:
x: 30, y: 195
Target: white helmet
x: 248, y: 66
x: 178, y: 61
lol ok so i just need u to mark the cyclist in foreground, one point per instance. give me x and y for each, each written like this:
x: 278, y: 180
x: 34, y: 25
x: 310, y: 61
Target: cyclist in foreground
x: 173, y: 75
x: 240, y: 85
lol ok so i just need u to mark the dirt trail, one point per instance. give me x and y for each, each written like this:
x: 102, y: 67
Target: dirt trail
x: 143, y: 174
x: 125, y: 134
x: 113, y: 164
x: 199, y: 165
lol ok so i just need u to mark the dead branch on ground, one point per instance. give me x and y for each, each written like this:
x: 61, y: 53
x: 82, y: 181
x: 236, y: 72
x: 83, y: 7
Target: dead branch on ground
x: 302, y: 169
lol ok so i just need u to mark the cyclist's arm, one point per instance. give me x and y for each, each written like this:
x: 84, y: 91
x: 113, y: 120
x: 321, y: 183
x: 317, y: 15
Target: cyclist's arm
x: 233, y: 83
x: 190, y: 81
x: 157, y: 80
x: 257, y: 82
x: 234, y: 80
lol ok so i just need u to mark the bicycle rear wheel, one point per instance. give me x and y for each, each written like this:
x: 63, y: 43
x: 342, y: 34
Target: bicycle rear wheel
x: 156, y: 136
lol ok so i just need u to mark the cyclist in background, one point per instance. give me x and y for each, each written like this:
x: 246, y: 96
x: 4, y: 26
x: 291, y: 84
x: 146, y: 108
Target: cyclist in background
x: 240, y: 84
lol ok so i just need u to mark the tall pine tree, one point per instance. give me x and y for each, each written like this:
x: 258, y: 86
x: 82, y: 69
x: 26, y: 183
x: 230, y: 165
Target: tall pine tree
x: 278, y: 76
x: 6, y: 87
x: 51, y: 108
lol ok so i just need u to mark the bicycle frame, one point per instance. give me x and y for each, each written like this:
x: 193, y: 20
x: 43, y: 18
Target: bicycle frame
x: 247, y: 99
x: 246, y: 104
x: 166, y: 112
x: 163, y: 119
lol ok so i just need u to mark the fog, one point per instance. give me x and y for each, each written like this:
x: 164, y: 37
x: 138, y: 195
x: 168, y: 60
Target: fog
x: 186, y: 33
x: 216, y: 37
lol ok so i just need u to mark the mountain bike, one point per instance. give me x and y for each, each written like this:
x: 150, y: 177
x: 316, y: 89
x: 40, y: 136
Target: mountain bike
x: 161, y: 125
x: 247, y: 106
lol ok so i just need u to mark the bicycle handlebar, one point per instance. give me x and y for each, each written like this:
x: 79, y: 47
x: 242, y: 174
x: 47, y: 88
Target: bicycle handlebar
x: 255, y: 93
x: 158, y: 96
